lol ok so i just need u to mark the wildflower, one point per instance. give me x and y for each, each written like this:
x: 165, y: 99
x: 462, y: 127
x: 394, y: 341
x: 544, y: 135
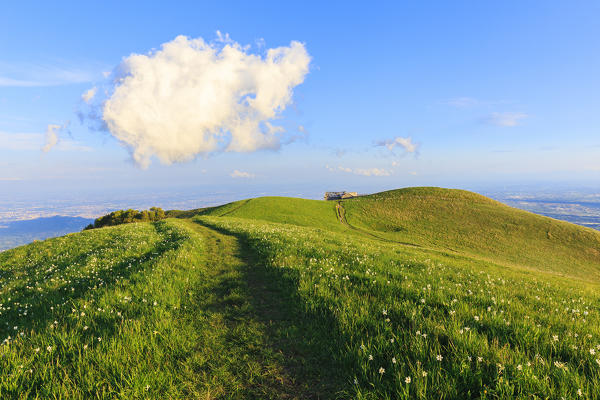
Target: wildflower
x: 479, y: 359
x: 407, y: 379
x: 355, y: 381
x: 592, y: 351
x: 392, y: 340
x: 37, y: 349
x: 476, y: 318
x: 559, y: 364
x: 85, y: 328
x: 555, y: 338
x: 370, y: 357
x: 49, y: 348
x: 579, y: 392
x: 439, y: 357
x: 520, y: 367
x: 381, y: 371
x: 394, y: 360
x: 384, y: 312
x: 424, y: 374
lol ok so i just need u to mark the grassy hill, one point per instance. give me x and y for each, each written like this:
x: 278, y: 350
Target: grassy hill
x: 419, y: 293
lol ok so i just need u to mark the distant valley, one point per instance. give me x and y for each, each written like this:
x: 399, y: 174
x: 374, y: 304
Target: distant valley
x: 17, y: 233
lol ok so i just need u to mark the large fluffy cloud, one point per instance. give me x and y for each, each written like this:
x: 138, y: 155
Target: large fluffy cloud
x: 192, y: 97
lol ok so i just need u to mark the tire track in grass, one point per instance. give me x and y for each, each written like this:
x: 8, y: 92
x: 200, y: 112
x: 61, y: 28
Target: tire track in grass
x: 341, y: 214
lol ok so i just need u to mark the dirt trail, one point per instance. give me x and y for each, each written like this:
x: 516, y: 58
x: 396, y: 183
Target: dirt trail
x: 245, y: 308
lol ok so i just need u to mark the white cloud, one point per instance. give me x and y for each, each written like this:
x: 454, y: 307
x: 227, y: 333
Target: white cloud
x: 89, y: 95
x: 361, y: 171
x: 508, y: 119
x: 405, y: 142
x: 51, y: 137
x: 193, y: 98
x: 241, y: 174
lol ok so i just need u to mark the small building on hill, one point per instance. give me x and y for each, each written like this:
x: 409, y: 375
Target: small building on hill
x: 339, y: 195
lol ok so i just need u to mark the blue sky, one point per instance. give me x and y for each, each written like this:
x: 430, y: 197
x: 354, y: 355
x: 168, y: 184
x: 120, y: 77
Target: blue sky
x: 486, y: 93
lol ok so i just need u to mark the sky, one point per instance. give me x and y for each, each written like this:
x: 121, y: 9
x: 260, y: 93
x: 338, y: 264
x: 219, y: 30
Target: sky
x: 114, y: 97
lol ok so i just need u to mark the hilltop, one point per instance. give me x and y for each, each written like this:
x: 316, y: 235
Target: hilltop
x: 410, y: 293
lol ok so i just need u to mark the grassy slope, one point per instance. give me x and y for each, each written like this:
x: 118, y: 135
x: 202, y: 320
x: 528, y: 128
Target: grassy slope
x: 473, y: 224
x: 287, y: 210
x: 275, y: 298
x: 457, y: 221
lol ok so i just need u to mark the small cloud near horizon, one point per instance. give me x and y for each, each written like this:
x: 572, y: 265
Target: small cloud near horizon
x: 405, y: 143
x: 32, y: 142
x: 361, y: 171
x: 241, y: 174
x: 506, y: 119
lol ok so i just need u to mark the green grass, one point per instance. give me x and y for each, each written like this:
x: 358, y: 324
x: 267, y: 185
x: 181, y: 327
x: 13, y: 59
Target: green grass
x: 278, y: 298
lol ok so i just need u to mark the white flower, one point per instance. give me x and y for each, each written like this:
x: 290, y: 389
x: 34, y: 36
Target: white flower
x: 439, y: 357
x: 424, y: 374
x: 370, y: 357
x: 407, y: 379
x: 519, y: 367
x: 592, y: 351
x: 555, y: 338
x: 394, y: 360
x: 381, y: 371
x: 49, y: 348
x: 384, y: 312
